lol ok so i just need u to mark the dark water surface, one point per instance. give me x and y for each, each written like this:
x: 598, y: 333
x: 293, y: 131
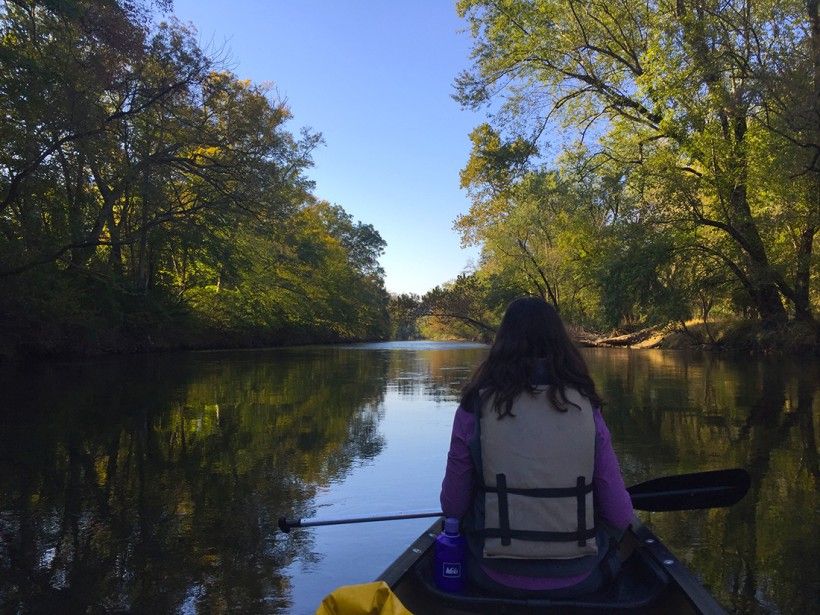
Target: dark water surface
x: 153, y: 484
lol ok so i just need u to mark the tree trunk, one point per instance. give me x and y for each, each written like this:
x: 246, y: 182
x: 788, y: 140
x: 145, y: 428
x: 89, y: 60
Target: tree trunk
x: 143, y: 266
x: 802, y: 303
x: 765, y: 293
x: 105, y: 218
x: 143, y: 256
x: 115, y: 257
x: 760, y: 280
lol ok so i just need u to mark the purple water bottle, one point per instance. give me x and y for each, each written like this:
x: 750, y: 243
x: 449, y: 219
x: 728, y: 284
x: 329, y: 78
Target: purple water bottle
x: 450, y: 560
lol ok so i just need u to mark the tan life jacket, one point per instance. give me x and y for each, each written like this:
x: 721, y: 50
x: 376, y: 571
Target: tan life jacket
x: 537, y: 468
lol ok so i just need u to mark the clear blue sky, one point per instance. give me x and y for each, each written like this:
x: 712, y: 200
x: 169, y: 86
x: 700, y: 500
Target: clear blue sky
x: 375, y: 78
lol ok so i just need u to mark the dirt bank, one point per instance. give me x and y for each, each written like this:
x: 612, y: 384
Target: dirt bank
x: 742, y: 335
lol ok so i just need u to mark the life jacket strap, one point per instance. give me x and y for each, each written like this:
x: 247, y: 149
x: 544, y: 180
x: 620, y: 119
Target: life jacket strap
x: 552, y: 492
x: 534, y: 535
x: 582, y: 511
x: 506, y: 534
x: 503, y: 509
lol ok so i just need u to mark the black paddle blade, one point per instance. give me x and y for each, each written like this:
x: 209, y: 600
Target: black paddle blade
x: 691, y: 491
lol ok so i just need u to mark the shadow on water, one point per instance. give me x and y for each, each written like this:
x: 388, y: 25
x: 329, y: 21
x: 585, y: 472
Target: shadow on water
x: 154, y: 484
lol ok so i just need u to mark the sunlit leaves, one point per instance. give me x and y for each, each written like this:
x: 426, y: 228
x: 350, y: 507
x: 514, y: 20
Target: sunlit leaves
x: 702, y: 109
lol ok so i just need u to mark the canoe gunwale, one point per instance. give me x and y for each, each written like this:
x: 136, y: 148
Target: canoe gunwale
x: 690, y: 586
x: 404, y: 563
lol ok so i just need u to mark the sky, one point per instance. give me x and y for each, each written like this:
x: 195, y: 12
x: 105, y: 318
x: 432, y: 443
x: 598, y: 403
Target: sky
x: 375, y: 78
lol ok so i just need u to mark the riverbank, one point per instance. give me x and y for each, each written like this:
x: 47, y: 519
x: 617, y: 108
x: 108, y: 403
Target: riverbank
x: 721, y: 335
x: 179, y: 330
x: 41, y: 350
x: 154, y: 331
x: 48, y: 315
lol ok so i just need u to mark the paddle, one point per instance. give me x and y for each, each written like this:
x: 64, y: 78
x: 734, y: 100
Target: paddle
x: 713, y: 489
x: 285, y: 525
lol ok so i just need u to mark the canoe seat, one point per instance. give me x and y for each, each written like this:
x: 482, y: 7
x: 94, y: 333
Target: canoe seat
x: 638, y: 585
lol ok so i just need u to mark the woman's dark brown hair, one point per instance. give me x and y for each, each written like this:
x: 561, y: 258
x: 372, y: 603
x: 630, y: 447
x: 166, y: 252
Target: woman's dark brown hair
x: 531, y: 336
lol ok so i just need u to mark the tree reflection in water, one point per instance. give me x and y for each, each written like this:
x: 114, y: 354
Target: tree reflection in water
x: 673, y: 412
x: 153, y: 484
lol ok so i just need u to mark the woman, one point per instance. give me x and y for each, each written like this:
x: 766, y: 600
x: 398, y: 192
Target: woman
x: 531, y: 470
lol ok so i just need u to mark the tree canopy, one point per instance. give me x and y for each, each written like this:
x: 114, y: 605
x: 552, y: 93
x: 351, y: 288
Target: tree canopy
x: 641, y: 155
x: 149, y: 197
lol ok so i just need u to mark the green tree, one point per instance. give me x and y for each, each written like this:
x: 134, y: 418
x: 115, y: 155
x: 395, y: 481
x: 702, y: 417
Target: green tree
x: 469, y: 307
x: 404, y: 310
x: 537, y: 227
x: 148, y: 194
x: 683, y: 98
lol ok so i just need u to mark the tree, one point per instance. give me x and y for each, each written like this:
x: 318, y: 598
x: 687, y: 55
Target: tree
x: 144, y: 188
x: 536, y: 226
x: 678, y: 93
x: 469, y: 307
x: 404, y: 310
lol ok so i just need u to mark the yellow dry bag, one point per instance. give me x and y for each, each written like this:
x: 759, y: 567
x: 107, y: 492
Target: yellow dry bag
x: 365, y: 599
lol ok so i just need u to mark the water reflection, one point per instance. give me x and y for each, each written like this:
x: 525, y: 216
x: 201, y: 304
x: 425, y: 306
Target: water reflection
x: 672, y: 413
x: 435, y: 374
x: 154, y: 484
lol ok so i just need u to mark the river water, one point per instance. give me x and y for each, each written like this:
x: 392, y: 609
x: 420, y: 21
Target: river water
x: 153, y: 483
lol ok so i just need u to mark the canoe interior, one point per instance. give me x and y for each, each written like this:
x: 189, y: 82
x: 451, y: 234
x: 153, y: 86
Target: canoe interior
x: 644, y: 554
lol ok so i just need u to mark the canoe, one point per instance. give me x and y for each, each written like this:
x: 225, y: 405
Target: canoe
x: 652, y: 580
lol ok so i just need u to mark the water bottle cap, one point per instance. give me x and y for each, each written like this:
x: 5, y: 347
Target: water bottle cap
x: 451, y: 525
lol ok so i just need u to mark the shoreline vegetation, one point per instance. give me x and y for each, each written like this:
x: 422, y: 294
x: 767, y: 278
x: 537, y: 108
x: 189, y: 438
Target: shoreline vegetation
x: 150, y: 198
x: 657, y: 168
x: 728, y: 335
x: 720, y: 336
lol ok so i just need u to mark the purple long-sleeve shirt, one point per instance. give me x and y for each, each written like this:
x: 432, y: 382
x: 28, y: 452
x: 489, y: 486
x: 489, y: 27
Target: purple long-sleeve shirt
x: 612, y: 501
